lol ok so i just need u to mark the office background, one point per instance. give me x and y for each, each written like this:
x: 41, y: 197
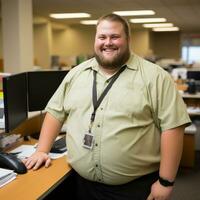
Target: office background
x: 69, y: 39
x: 29, y: 38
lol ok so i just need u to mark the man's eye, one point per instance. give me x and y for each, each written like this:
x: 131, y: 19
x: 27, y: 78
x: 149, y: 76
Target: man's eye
x: 101, y: 37
x: 115, y: 37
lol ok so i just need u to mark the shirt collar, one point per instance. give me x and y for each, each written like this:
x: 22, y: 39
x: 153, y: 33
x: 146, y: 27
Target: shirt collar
x: 133, y: 62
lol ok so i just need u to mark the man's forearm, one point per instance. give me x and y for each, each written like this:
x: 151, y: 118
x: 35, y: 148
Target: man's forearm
x: 171, y: 151
x: 50, y: 129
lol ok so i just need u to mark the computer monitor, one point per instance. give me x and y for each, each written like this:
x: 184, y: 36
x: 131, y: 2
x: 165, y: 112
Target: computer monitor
x: 15, y: 100
x: 41, y: 87
x: 193, y: 74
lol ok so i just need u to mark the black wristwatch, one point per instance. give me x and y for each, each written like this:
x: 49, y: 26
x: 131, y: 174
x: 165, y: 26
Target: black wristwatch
x: 165, y: 182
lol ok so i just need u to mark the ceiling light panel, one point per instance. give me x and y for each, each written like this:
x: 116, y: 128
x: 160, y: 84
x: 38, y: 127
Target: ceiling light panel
x: 69, y: 15
x: 166, y: 29
x: 135, y: 12
x: 147, y: 20
x: 157, y: 25
x: 88, y: 22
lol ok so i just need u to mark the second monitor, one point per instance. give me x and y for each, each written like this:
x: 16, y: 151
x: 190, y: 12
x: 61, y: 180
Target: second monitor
x: 15, y: 100
x: 41, y: 87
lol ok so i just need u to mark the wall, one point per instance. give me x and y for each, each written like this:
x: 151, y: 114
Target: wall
x: 167, y: 44
x: 73, y: 41
x: 140, y: 42
x: 42, y: 44
x: 1, y: 42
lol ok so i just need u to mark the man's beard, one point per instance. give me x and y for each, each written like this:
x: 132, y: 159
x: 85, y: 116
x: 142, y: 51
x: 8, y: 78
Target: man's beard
x: 117, y: 61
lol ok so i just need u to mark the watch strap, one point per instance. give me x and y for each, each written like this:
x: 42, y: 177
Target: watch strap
x: 165, y: 182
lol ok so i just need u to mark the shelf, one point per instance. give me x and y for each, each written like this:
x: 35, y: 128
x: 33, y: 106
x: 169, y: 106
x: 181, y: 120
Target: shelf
x: 191, y: 96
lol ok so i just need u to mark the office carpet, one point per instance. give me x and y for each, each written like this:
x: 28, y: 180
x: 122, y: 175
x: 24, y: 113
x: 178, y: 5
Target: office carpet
x: 187, y: 186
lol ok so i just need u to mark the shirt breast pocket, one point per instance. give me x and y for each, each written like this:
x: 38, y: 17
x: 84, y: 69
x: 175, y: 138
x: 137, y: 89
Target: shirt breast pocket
x: 132, y: 102
x: 78, y: 98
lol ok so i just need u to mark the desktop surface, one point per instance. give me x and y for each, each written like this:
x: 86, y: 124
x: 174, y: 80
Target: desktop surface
x: 37, y: 184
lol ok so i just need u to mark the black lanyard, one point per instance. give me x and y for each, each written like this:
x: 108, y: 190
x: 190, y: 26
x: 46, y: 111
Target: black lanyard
x: 97, y: 102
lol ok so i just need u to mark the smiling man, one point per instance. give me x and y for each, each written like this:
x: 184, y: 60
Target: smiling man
x: 111, y: 44
x: 125, y: 122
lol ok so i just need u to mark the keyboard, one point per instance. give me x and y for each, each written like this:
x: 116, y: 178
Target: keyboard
x: 59, y: 146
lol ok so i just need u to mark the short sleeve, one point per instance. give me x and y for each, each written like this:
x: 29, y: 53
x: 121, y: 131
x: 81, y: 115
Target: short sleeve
x: 170, y: 107
x: 55, y: 105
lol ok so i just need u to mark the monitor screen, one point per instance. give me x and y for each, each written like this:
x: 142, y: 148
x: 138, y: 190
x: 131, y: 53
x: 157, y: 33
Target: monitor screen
x: 41, y: 87
x: 15, y: 100
x: 192, y: 74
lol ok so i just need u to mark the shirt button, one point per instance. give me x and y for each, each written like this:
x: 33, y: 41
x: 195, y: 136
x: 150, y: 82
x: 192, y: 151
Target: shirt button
x: 99, y: 179
x: 96, y: 165
x: 107, y: 81
x: 96, y: 144
x: 98, y: 125
x: 101, y: 108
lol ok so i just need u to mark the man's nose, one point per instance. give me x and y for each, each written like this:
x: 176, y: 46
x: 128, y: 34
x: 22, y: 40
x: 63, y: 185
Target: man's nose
x: 108, y: 41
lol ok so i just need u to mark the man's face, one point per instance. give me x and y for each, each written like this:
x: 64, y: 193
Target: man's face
x: 111, y: 44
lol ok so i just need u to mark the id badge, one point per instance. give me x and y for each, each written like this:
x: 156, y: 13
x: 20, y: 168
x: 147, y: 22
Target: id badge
x: 88, y: 141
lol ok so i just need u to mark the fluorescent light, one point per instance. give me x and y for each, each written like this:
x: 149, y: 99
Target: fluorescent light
x: 69, y: 15
x: 135, y: 12
x: 146, y: 20
x: 166, y: 29
x: 157, y: 25
x: 88, y: 22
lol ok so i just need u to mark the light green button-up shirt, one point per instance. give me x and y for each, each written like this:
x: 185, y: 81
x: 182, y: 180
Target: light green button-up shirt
x: 125, y: 130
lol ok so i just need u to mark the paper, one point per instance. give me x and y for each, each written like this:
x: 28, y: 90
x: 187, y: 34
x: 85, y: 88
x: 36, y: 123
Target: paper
x: 25, y: 151
x: 6, y: 176
x: 57, y: 155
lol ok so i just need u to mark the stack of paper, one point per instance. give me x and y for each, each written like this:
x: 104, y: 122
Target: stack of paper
x: 6, y: 176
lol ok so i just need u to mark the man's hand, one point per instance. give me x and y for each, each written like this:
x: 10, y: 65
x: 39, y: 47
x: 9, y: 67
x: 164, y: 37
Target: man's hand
x: 159, y: 192
x: 36, y: 160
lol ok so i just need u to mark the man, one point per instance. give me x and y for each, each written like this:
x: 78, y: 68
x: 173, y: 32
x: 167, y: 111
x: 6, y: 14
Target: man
x: 125, y: 122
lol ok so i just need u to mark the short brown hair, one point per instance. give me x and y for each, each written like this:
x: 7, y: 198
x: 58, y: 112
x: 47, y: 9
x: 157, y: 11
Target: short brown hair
x: 116, y: 18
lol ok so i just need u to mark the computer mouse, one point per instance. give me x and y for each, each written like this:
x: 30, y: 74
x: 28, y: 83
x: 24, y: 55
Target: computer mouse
x: 10, y: 161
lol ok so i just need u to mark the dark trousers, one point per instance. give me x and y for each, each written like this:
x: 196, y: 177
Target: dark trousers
x: 138, y: 189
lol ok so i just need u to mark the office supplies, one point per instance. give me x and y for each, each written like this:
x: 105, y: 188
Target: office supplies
x: 23, y: 151
x: 10, y: 161
x: 2, y: 120
x: 9, y: 140
x: 6, y: 176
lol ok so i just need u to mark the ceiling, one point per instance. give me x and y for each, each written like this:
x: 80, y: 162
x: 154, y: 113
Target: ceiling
x: 182, y: 13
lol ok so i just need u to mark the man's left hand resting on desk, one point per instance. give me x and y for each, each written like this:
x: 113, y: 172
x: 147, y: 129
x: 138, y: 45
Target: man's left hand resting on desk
x: 51, y: 126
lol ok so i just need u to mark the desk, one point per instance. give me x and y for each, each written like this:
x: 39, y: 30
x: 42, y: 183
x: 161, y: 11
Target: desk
x: 37, y: 184
x: 188, y: 156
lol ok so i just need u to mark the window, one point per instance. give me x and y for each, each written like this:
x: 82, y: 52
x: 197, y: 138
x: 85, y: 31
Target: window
x: 191, y: 54
x: 191, y: 48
